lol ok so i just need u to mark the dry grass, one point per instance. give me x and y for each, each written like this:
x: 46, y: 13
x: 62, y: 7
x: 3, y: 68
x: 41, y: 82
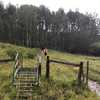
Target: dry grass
x: 62, y: 78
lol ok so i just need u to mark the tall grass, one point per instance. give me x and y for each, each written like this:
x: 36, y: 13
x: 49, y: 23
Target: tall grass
x: 61, y: 85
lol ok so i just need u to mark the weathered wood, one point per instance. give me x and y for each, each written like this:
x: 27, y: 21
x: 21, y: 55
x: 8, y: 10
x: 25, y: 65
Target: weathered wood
x: 80, y: 74
x: 67, y: 63
x: 47, y: 68
x: 16, y: 57
x: 87, y: 73
x: 18, y: 64
x: 30, y: 98
x: 26, y: 79
x: 80, y: 66
x: 20, y: 59
x: 6, y: 60
x: 39, y: 69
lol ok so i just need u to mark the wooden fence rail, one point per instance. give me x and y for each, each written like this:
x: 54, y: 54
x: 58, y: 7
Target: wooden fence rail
x: 80, y: 66
x: 67, y: 63
x: 6, y: 60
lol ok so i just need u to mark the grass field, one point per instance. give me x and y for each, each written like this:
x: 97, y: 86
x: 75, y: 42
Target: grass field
x: 62, y: 77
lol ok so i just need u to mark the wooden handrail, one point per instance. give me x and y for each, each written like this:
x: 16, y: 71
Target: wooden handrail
x: 16, y: 65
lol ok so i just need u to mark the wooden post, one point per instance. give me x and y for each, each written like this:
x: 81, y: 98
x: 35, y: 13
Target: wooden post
x: 15, y: 66
x: 47, y: 68
x: 80, y: 74
x: 30, y: 98
x: 21, y: 60
x: 39, y: 69
x: 87, y: 73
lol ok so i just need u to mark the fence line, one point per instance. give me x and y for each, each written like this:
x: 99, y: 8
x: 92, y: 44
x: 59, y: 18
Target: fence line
x: 5, y: 60
x: 81, y: 77
x: 67, y: 63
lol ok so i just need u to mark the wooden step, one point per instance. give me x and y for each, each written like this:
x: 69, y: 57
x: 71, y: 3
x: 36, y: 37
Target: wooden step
x: 26, y: 75
x: 27, y: 69
x: 25, y: 72
x: 24, y: 97
x: 25, y: 80
x: 25, y: 90
x: 20, y: 93
x: 26, y: 84
x: 21, y: 97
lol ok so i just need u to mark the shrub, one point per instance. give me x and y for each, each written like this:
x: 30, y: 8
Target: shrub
x: 31, y: 53
x: 11, y: 53
x: 95, y: 49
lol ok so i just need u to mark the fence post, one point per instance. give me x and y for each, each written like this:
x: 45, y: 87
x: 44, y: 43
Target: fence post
x: 15, y: 66
x: 21, y: 60
x: 47, y: 68
x: 39, y: 69
x: 80, y: 74
x: 87, y: 73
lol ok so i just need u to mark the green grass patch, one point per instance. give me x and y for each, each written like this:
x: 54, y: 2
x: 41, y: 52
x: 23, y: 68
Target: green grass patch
x: 63, y: 78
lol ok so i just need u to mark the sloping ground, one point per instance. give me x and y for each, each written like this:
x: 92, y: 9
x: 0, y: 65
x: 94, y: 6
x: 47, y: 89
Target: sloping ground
x: 94, y: 62
x: 94, y: 67
x: 62, y: 78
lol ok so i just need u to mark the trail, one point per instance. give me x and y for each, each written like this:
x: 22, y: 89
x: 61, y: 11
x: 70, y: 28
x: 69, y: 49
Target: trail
x: 94, y: 86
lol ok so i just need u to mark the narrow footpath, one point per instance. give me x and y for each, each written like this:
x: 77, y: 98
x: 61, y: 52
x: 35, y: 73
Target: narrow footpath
x: 94, y: 86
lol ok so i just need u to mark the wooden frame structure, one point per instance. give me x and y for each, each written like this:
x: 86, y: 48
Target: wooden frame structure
x: 81, y: 76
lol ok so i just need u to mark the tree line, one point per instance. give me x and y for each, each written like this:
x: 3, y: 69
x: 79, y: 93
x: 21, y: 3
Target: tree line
x: 33, y: 26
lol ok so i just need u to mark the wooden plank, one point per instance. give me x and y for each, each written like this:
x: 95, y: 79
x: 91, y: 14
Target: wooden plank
x: 87, y: 73
x: 80, y: 74
x: 17, y: 55
x: 5, y: 60
x: 47, y: 68
x: 67, y: 63
x: 39, y: 69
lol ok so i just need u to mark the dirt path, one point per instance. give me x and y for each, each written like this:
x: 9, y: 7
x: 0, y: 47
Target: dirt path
x: 94, y: 86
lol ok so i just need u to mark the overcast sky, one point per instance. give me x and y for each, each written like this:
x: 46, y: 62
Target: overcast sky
x: 90, y: 6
